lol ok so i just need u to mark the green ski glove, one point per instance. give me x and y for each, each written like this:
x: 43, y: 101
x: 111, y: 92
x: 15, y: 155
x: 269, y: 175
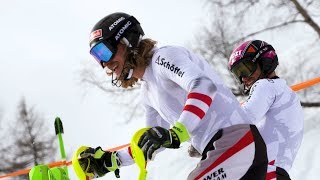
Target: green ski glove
x: 96, y: 163
x: 157, y: 137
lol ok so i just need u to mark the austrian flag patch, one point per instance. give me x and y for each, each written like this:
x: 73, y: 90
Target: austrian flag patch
x: 95, y: 34
x: 197, y: 104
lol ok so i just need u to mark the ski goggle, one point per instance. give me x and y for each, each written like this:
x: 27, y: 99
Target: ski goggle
x: 102, y: 52
x: 244, y: 68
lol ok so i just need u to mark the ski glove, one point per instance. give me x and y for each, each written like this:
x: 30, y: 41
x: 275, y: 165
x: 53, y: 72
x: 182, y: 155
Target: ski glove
x: 96, y: 163
x: 157, y: 137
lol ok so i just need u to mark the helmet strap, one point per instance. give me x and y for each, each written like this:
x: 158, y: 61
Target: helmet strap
x: 127, y: 71
x: 115, y: 81
x: 126, y: 74
x: 246, y: 90
x: 129, y: 75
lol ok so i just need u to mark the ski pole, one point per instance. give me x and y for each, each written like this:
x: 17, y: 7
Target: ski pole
x: 59, y: 130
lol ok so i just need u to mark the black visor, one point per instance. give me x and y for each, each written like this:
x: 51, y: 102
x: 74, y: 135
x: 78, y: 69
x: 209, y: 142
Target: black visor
x: 244, y: 68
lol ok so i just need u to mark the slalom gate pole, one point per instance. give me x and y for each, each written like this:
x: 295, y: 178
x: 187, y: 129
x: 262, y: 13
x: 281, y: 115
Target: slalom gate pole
x: 59, y: 131
x: 305, y: 84
x: 296, y: 87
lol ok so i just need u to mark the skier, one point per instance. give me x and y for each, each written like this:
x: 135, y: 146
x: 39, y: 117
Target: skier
x: 184, y: 100
x: 271, y: 103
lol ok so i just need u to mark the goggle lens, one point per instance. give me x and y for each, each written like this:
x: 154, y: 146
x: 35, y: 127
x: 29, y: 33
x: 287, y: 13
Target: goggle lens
x: 244, y: 68
x: 101, y: 53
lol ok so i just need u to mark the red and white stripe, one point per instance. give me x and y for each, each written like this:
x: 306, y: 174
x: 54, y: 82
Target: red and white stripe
x: 271, y: 174
x: 197, y: 104
x: 244, y: 149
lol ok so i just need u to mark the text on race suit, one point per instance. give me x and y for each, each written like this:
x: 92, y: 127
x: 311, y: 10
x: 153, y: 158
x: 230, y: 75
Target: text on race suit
x: 216, y: 175
x: 175, y: 69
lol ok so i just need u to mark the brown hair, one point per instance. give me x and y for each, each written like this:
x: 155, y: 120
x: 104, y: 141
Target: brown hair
x: 139, y: 58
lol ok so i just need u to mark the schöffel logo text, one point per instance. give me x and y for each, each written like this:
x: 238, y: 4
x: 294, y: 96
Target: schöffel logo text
x: 162, y: 62
x: 115, y: 23
x: 122, y: 30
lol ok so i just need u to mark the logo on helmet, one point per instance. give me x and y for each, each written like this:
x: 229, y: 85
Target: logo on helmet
x: 122, y: 30
x: 234, y: 56
x: 95, y: 34
x: 116, y: 23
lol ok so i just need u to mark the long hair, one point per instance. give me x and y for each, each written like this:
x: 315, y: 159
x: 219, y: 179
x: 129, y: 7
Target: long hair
x: 138, y: 58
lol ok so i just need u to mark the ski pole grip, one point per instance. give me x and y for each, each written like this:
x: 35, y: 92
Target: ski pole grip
x: 58, y: 126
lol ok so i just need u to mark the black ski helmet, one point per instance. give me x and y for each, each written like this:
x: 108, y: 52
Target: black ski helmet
x: 258, y: 52
x: 115, y: 27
